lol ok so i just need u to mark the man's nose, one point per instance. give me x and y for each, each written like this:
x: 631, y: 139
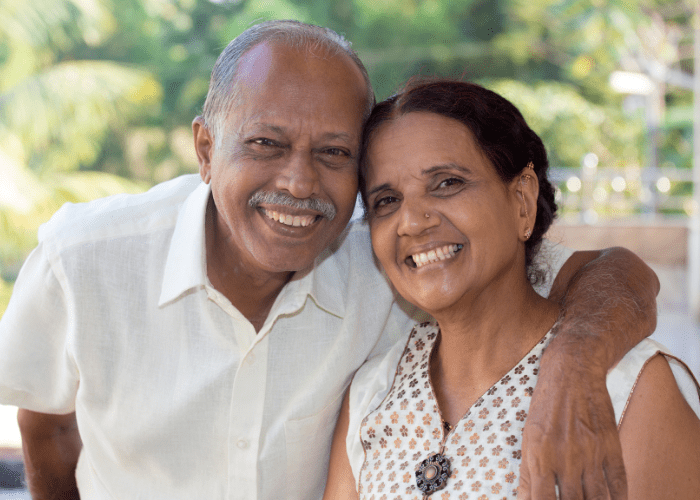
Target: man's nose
x: 300, y: 176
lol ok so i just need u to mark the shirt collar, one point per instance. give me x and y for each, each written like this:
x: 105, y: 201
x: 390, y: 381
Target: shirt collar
x: 323, y: 283
x: 185, y: 266
x: 185, y: 263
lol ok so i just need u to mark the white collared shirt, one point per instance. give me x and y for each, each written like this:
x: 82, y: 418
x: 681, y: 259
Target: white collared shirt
x: 176, y: 396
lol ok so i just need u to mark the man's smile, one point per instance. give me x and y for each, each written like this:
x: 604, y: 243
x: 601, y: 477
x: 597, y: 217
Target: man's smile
x: 289, y: 219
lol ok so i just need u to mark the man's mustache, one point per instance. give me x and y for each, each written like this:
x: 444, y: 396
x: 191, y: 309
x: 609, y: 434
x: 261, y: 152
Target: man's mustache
x: 327, y: 209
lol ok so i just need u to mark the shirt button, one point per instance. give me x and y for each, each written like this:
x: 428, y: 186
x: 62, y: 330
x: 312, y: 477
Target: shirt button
x: 242, y: 444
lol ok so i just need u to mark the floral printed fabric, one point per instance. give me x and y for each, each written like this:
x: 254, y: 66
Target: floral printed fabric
x: 484, y: 447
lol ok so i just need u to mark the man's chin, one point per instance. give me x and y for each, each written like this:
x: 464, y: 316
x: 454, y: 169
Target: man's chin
x: 288, y: 256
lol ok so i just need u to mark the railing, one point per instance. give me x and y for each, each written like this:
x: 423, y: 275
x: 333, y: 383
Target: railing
x: 590, y: 193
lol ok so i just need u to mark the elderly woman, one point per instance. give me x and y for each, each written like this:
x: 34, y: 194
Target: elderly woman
x: 457, y: 198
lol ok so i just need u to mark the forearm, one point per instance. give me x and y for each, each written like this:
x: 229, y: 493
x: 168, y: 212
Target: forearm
x: 608, y: 307
x: 51, y: 446
x: 608, y: 303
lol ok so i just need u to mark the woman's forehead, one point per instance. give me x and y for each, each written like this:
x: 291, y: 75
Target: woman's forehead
x: 421, y: 140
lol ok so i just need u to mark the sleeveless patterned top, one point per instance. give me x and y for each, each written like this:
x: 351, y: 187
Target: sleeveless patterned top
x: 410, y: 454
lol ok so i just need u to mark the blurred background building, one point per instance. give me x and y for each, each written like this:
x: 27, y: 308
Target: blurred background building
x: 97, y: 97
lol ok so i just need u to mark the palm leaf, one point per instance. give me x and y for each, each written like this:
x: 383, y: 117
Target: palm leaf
x: 61, y: 115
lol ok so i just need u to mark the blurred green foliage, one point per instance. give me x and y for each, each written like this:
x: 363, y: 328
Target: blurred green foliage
x: 97, y: 96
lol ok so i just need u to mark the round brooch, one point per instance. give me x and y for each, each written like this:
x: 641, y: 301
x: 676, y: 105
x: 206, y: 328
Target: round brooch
x: 432, y: 473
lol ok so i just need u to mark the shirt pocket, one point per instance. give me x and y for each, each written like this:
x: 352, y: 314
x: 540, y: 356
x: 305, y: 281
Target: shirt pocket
x: 308, y: 450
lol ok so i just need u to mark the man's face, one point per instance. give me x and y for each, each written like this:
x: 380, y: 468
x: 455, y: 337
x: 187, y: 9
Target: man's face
x: 283, y: 173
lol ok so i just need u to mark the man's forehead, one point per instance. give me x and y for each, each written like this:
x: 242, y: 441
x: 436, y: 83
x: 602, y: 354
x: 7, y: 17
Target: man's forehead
x: 254, y: 65
x: 276, y: 86
x: 271, y: 58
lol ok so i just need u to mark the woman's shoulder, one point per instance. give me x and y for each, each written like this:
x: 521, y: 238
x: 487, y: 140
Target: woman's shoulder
x: 660, y: 431
x: 374, y: 378
x: 373, y: 382
x: 623, y: 379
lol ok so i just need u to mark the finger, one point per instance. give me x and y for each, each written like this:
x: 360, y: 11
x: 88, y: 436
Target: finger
x: 615, y: 475
x: 595, y: 485
x: 524, y: 483
x: 571, y: 488
x: 542, y: 486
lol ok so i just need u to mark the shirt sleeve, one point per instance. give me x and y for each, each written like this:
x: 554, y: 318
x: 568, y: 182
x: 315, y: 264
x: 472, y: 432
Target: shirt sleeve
x: 37, y: 371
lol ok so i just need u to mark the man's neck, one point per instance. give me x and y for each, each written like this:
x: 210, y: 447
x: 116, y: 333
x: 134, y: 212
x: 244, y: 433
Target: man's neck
x: 251, y: 291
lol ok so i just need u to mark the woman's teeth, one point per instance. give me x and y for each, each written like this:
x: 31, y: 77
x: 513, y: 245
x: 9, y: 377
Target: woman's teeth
x: 436, y: 255
x: 290, y: 220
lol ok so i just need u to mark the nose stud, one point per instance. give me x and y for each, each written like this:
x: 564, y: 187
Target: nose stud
x: 427, y: 216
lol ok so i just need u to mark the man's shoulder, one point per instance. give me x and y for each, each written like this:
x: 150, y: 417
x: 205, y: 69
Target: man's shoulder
x: 119, y: 215
x: 352, y: 249
x: 349, y: 265
x: 356, y: 238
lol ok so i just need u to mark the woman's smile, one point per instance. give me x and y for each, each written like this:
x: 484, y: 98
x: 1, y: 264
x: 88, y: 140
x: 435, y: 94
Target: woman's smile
x: 432, y: 256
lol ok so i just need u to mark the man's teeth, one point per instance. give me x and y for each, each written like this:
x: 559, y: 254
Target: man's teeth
x: 436, y: 255
x: 290, y: 220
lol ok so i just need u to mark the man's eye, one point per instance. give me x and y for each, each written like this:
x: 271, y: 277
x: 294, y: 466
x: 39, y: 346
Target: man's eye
x: 336, y: 152
x: 263, y: 141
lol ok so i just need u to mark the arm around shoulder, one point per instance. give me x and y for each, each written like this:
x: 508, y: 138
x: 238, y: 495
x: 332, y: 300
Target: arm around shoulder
x: 608, y: 303
x: 608, y: 299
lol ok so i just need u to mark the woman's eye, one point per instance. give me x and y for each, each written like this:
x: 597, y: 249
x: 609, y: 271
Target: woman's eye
x: 384, y: 202
x: 450, y: 182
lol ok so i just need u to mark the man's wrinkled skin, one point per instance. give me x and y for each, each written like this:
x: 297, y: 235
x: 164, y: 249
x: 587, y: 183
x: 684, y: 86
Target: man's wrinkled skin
x: 564, y: 410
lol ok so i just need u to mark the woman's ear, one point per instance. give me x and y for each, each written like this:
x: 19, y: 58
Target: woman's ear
x: 527, y: 189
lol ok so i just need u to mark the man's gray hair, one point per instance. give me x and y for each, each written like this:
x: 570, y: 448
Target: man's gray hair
x: 295, y: 34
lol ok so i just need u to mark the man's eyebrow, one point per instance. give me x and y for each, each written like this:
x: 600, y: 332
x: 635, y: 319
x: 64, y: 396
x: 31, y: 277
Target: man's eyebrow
x: 343, y: 136
x: 256, y: 127
x: 328, y: 136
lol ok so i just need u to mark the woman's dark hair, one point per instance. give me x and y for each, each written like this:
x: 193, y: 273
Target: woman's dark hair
x: 498, y: 128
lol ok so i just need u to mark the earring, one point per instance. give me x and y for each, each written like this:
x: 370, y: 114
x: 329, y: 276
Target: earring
x: 527, y: 177
x: 531, y: 165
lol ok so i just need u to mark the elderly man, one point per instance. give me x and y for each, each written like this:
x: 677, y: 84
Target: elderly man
x: 199, y: 337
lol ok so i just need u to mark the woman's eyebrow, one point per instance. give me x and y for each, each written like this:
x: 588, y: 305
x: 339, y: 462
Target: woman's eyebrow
x: 376, y: 189
x: 444, y: 166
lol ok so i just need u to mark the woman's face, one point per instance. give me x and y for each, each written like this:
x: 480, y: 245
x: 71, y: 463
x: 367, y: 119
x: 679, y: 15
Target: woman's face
x: 444, y: 226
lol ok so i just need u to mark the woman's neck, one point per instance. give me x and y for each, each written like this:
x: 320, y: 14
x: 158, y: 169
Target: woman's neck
x: 481, y: 341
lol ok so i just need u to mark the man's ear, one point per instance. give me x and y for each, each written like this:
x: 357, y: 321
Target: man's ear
x: 527, y: 189
x: 204, y: 146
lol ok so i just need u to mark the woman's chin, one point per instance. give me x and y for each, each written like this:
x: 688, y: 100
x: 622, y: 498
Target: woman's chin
x: 431, y: 302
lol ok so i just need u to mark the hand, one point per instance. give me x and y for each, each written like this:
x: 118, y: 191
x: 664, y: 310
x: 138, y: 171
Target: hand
x: 570, y: 437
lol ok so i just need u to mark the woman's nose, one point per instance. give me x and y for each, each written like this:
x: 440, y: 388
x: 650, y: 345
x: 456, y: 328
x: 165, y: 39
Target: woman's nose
x: 416, y: 218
